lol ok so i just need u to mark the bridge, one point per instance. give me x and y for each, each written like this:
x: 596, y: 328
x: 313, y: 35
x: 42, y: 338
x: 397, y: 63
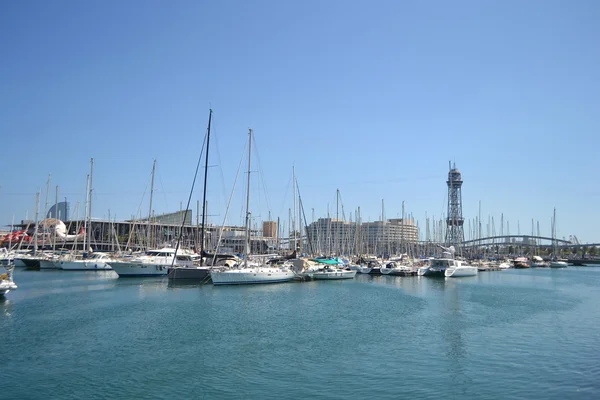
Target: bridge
x: 525, y: 240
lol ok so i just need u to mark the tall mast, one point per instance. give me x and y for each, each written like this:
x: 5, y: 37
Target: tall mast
x: 46, y: 210
x: 89, y: 215
x: 55, y: 220
x: 150, y: 209
x: 248, y: 200
x: 37, y: 213
x: 204, y: 195
x: 85, y: 220
x: 294, y: 214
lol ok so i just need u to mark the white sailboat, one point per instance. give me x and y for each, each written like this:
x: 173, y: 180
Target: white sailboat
x: 86, y: 262
x: 247, y: 273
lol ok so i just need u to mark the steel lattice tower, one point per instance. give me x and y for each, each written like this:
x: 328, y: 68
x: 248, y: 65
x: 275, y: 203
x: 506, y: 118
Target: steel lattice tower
x: 454, y: 233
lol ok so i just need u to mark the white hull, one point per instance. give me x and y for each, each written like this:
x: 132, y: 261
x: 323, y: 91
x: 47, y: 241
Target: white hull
x: 365, y: 270
x: 84, y: 265
x: 559, y: 264
x: 463, y: 270
x: 250, y: 275
x: 332, y: 275
x: 129, y: 269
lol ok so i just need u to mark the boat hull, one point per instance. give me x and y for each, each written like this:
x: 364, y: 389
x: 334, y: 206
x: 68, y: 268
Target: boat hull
x: 251, y: 276
x: 428, y: 271
x: 461, y: 272
x: 81, y: 265
x: 200, y: 273
x: 125, y: 269
x: 333, y: 275
x: 32, y: 263
x: 558, y: 264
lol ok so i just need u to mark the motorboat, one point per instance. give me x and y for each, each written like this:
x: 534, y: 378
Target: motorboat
x: 395, y: 268
x: 559, y: 264
x: 329, y: 273
x: 504, y: 265
x: 457, y: 269
x: 538, y: 262
x: 153, y: 263
x: 521, y: 262
x: 93, y: 262
x: 329, y: 269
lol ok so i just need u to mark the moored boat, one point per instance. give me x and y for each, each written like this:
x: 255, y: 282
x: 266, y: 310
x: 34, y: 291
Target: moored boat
x: 457, y: 269
x: 521, y: 262
x: 95, y: 262
x: 559, y: 264
x: 153, y: 263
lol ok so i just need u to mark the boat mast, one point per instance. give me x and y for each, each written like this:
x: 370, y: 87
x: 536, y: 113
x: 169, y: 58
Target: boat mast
x: 248, y: 200
x: 204, y: 195
x: 89, y: 215
x: 55, y: 220
x: 46, y: 211
x: 150, y: 209
x: 294, y: 214
x: 37, y: 214
x: 85, y: 219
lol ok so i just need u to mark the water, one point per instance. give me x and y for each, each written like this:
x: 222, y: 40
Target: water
x: 509, y: 334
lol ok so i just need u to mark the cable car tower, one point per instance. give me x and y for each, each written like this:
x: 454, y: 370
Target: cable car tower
x: 455, y: 235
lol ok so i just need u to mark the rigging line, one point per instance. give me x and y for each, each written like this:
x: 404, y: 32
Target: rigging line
x: 285, y: 194
x: 261, y: 174
x: 228, y: 205
x: 189, y: 199
x: 219, y: 160
x: 163, y: 189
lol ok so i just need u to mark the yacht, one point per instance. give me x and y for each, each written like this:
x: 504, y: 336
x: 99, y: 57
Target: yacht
x: 330, y: 269
x: 153, y: 263
x: 95, y: 262
x: 457, y: 269
x: 250, y: 272
x: 538, y: 262
x: 521, y: 262
x: 397, y: 269
x: 558, y: 264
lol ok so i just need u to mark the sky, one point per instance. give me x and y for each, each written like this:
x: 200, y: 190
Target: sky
x: 371, y: 98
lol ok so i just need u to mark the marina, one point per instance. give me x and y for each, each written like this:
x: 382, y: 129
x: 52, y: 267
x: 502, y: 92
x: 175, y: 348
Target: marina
x: 501, y: 334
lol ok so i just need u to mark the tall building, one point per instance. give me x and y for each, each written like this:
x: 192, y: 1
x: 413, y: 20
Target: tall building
x: 270, y: 229
x: 455, y: 235
x: 333, y: 236
x: 59, y: 211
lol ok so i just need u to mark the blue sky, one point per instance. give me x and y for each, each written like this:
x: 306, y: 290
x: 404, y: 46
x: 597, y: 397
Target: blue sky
x: 371, y: 98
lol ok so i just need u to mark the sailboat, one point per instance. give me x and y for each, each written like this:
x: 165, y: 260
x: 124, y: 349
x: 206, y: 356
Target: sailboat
x: 194, y: 271
x: 556, y: 262
x: 94, y: 262
x: 249, y: 273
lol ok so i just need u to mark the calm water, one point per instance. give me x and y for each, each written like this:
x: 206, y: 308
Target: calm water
x: 508, y: 334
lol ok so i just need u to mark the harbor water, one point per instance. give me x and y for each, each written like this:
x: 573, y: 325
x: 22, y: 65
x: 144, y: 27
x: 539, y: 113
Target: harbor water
x: 514, y: 334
